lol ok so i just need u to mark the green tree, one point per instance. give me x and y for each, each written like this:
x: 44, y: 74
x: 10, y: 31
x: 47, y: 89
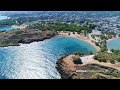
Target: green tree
x: 96, y: 43
x: 79, y: 53
x: 77, y: 61
x: 91, y: 53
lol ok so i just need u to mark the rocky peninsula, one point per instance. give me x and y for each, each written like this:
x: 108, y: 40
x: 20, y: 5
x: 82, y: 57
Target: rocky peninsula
x: 89, y: 70
x: 14, y: 37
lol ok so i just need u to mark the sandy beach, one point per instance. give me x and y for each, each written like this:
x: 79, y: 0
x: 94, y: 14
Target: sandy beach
x: 81, y: 37
x: 113, y: 39
x: 20, y: 27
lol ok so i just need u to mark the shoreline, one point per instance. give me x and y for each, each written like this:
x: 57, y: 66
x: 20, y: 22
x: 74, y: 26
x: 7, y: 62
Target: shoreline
x: 11, y: 38
x: 23, y: 26
x: 109, y: 40
x: 113, y: 39
x: 4, y: 17
x: 78, y: 36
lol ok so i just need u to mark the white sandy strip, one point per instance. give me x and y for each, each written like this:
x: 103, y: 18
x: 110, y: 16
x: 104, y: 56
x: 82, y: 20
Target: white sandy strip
x: 113, y: 39
x: 20, y: 27
x: 86, y: 59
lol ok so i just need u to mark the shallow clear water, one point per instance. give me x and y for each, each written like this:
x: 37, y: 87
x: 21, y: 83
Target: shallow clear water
x: 7, y: 28
x: 3, y: 17
x: 38, y: 59
x: 114, y: 44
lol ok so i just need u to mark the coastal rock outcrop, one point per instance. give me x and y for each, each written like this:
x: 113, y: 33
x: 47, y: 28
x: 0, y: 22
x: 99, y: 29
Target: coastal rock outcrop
x: 14, y: 37
x: 69, y: 70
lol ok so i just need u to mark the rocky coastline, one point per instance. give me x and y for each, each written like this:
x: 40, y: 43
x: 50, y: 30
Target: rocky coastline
x: 69, y: 70
x: 14, y: 37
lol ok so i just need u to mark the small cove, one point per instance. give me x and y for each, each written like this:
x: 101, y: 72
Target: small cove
x: 114, y: 44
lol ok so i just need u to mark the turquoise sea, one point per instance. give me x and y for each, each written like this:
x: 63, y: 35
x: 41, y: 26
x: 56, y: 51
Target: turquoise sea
x: 3, y: 17
x: 38, y: 59
x: 114, y: 44
x: 8, y: 27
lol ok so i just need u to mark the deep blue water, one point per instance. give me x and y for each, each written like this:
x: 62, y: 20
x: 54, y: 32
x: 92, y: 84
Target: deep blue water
x: 114, y: 44
x: 38, y: 59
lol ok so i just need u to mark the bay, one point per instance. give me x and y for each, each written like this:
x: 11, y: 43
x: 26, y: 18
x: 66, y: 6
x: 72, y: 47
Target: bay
x: 38, y: 59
